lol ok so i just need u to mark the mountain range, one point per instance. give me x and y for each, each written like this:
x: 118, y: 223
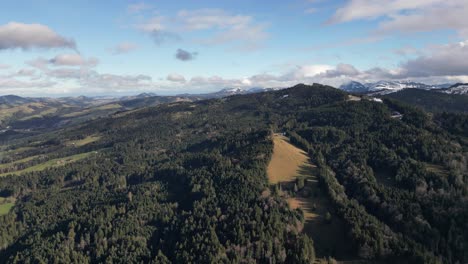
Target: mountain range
x: 387, y: 87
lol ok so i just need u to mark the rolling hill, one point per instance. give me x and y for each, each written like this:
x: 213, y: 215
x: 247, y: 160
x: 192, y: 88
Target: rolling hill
x: 186, y: 182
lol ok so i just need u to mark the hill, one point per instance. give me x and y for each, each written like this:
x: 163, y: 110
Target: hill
x: 458, y: 88
x: 187, y: 182
x: 432, y: 101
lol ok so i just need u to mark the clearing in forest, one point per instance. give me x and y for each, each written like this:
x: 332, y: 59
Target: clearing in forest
x: 289, y: 163
x: 5, y: 205
x: 51, y: 163
x: 84, y: 141
x: 286, y: 160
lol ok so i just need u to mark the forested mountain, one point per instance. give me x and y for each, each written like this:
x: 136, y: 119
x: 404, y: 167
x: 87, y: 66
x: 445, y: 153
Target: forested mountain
x: 458, y: 88
x: 28, y: 113
x: 432, y: 101
x: 185, y: 182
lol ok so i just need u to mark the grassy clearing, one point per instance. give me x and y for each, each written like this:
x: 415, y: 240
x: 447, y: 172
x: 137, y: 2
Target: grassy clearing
x: 49, y: 111
x: 23, y: 109
x: 90, y: 110
x: 289, y: 163
x: 6, y: 165
x: 84, y: 141
x: 51, y: 163
x: 437, y: 169
x: 353, y: 98
x: 5, y: 208
x: 286, y: 160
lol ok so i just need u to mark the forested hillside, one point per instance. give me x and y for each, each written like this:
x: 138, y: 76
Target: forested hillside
x: 432, y: 101
x: 186, y: 182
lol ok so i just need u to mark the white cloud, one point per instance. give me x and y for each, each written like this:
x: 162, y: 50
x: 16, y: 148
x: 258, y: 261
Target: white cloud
x: 124, y: 47
x: 444, y: 60
x: 26, y: 36
x: 447, y: 15
x: 12, y: 83
x: 306, y: 71
x: 73, y: 60
x: 228, y: 28
x: 4, y: 66
x: 237, y: 30
x: 175, y: 77
x: 341, y: 70
x: 371, y: 9
x: 407, y: 16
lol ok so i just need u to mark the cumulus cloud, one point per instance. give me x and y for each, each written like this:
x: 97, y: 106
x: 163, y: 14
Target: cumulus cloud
x: 341, y: 70
x: 184, y: 55
x: 26, y: 36
x: 445, y: 60
x: 12, y: 83
x: 305, y: 71
x: 4, y: 66
x: 73, y: 60
x: 449, y: 14
x: 228, y: 28
x: 407, y: 16
x: 124, y: 47
x: 221, y: 27
x: 175, y: 77
x: 371, y: 9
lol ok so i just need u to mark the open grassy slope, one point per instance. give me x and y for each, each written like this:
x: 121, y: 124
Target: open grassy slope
x: 289, y: 163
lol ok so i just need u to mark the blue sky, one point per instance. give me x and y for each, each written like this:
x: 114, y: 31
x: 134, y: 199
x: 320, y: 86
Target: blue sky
x: 76, y: 47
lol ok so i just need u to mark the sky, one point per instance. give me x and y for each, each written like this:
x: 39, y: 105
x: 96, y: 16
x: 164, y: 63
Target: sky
x: 66, y: 48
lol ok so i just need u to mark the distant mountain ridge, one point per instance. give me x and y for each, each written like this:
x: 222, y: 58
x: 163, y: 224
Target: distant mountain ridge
x: 387, y: 87
x: 458, y: 88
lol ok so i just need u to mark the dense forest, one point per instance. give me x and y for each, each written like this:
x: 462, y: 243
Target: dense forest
x: 186, y: 182
x: 432, y: 101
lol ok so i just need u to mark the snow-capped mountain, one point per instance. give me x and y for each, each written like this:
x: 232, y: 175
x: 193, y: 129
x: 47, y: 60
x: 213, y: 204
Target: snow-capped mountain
x: 234, y: 91
x: 354, y: 87
x: 386, y: 87
x: 459, y: 88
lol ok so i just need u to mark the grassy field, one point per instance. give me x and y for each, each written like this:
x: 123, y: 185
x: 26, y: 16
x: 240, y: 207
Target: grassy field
x: 23, y: 109
x: 5, y: 208
x: 48, y: 111
x: 51, y: 163
x: 89, y: 110
x: 289, y: 163
x: 84, y: 141
x: 286, y: 160
x: 6, y: 165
